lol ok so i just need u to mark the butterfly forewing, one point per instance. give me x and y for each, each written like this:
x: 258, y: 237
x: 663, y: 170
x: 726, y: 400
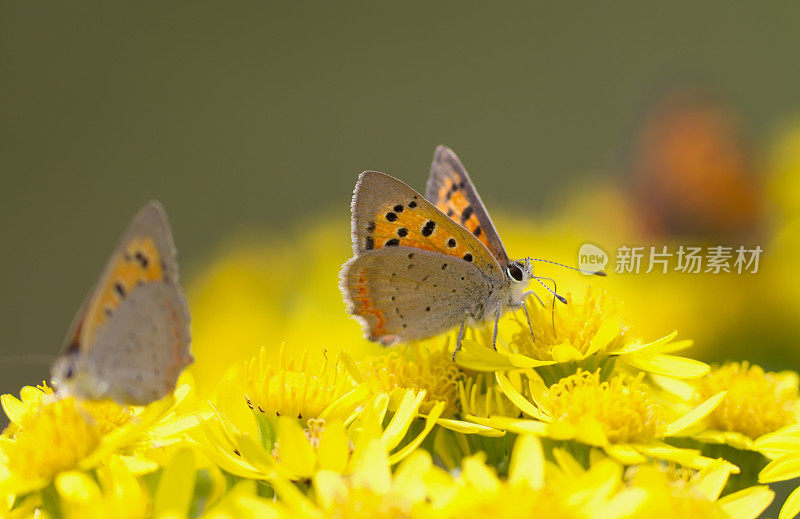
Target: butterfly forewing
x: 452, y: 192
x: 145, y: 254
x: 404, y: 294
x: 387, y: 213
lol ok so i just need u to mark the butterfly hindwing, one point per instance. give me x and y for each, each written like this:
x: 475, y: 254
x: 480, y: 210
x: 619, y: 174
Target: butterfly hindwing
x: 403, y: 294
x: 387, y: 213
x: 137, y: 314
x: 452, y: 192
x: 140, y: 352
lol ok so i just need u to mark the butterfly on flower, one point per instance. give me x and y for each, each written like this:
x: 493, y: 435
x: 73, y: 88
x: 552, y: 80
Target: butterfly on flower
x: 424, y: 265
x: 130, y: 339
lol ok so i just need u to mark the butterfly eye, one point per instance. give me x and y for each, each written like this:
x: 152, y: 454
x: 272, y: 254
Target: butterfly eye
x: 515, y: 272
x: 68, y: 373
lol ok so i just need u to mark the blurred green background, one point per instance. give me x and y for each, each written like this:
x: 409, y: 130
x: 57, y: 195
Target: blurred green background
x: 260, y: 115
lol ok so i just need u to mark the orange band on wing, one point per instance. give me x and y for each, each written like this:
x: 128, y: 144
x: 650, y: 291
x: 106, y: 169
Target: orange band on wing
x: 139, y: 262
x: 453, y: 201
x: 366, y: 307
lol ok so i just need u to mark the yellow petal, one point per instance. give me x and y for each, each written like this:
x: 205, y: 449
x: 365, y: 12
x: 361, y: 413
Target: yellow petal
x: 13, y: 407
x: 477, y: 357
x: 372, y: 470
x: 329, y: 488
x: 468, y: 427
x: 138, y: 465
x: 568, y: 464
x: 401, y: 421
x: 681, y: 388
x: 565, y: 353
x: 409, y: 479
x: 669, y: 365
x: 518, y: 400
x: 791, y: 507
x: 255, y: 456
x: 175, y: 486
x: 527, y: 462
x: 786, y: 467
x: 512, y: 424
x: 672, y: 347
x: 479, y: 475
x: 346, y: 403
x: 518, y: 360
x: 687, y: 457
x: 695, y: 415
x: 334, y: 447
x: 430, y: 422
x: 747, y: 503
x: 77, y: 487
x: 294, y: 451
x: 625, y: 454
x: 634, y: 347
x: 710, y: 481
x: 607, y: 332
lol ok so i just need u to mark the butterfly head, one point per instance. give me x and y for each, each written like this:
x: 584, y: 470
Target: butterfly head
x: 519, y: 273
x: 68, y: 377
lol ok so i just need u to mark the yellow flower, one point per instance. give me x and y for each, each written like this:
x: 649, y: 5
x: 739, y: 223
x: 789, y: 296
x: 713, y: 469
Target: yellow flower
x: 434, y: 372
x: 534, y: 488
x: 295, y: 390
x: 581, y: 334
x: 115, y: 492
x: 756, y: 402
x: 620, y: 415
x: 697, y: 495
x: 370, y: 490
x: 306, y: 420
x: 783, y: 447
x: 49, y: 435
x: 564, y: 488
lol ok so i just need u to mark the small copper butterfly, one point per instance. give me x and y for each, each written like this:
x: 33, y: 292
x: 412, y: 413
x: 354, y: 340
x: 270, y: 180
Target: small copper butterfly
x: 130, y: 339
x: 424, y: 265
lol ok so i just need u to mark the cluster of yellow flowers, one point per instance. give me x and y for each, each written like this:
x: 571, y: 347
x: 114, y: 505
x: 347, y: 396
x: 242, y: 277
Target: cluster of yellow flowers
x: 287, y: 412
x: 586, y: 421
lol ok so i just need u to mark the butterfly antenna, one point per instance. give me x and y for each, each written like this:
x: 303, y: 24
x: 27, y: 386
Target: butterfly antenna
x: 560, y: 298
x: 589, y: 272
x: 28, y: 358
x: 553, y: 310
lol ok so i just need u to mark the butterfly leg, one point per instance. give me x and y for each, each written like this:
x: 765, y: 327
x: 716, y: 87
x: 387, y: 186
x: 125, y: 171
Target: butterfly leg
x: 528, y: 317
x: 460, y: 336
x: 496, y: 322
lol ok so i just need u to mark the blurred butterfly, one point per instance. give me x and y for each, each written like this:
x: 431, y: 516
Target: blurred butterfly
x: 424, y: 265
x: 130, y: 339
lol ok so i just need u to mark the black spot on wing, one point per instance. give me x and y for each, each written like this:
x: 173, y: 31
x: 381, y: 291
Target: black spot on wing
x: 371, y: 227
x: 451, y: 242
x: 468, y: 257
x: 398, y: 208
x: 369, y: 243
x: 428, y: 228
x: 119, y: 289
x: 142, y: 259
x: 402, y: 232
x: 412, y: 204
x: 394, y: 242
x: 391, y: 217
x: 466, y: 213
x: 477, y: 231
